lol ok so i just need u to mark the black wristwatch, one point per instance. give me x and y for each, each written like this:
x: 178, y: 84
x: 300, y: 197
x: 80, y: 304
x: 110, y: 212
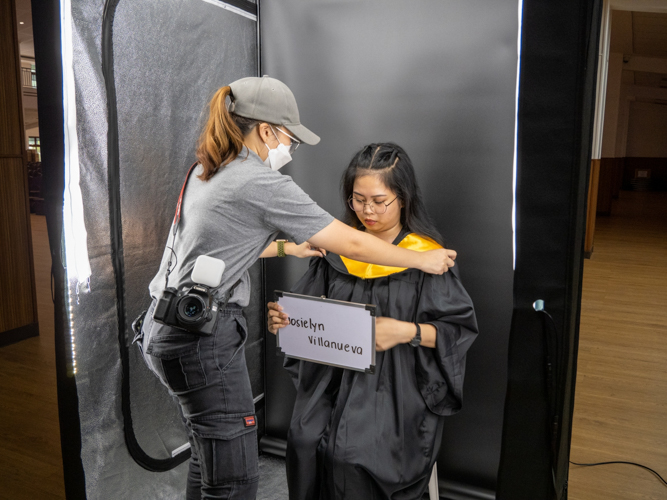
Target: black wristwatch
x: 417, y: 339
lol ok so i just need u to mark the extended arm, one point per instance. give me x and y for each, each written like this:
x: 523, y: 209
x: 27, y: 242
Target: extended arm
x: 302, y: 251
x: 344, y: 240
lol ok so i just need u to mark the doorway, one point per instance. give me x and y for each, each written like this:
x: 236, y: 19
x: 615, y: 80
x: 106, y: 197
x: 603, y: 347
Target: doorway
x: 621, y: 392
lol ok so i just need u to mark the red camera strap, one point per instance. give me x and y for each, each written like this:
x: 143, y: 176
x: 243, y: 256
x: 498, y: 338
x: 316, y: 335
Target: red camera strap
x: 177, y: 217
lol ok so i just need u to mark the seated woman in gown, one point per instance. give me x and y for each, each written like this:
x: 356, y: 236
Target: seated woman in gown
x: 364, y: 436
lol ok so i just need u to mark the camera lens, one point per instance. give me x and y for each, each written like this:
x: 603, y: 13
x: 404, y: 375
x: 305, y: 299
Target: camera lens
x: 191, y: 309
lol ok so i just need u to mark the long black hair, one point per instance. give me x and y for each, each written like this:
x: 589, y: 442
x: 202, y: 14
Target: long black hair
x: 393, y: 165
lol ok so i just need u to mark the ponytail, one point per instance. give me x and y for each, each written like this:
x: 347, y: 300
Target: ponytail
x: 222, y: 139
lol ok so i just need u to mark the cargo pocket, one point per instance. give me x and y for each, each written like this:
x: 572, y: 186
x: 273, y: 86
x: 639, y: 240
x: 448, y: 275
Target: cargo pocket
x: 227, y: 448
x: 230, y: 338
x: 230, y: 359
x: 242, y: 330
x: 179, y: 356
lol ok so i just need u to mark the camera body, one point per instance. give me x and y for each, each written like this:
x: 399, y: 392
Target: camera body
x: 192, y: 309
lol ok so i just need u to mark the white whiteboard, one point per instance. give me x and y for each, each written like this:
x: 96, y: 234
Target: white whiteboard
x: 331, y: 332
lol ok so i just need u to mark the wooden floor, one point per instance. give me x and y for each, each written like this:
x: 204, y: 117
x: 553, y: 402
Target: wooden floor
x: 621, y: 396
x: 620, y: 410
x: 30, y: 461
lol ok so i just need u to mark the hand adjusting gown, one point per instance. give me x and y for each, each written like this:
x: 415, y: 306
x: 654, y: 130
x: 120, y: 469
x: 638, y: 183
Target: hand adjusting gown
x: 359, y: 436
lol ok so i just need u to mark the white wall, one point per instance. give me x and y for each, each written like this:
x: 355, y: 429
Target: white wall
x: 647, y: 130
x: 612, y: 101
x: 621, y: 32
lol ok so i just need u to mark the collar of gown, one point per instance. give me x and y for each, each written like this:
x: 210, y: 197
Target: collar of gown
x: 364, y: 270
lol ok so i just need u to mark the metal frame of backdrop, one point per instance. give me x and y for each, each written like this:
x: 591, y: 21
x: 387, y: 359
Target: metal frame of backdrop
x: 555, y: 117
x: 555, y: 123
x: 48, y: 58
x: 51, y: 52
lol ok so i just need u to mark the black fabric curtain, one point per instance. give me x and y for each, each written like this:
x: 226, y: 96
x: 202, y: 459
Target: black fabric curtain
x: 439, y: 79
x: 556, y: 104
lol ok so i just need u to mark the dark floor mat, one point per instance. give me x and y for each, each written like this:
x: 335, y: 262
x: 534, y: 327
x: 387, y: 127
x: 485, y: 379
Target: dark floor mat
x: 272, y: 479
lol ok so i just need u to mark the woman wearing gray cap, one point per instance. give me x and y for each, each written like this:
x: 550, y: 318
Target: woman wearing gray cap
x: 233, y: 209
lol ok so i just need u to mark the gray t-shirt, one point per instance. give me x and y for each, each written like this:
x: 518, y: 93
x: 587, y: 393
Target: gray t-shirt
x: 234, y: 216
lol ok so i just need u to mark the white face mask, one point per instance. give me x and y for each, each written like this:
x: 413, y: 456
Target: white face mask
x: 279, y: 156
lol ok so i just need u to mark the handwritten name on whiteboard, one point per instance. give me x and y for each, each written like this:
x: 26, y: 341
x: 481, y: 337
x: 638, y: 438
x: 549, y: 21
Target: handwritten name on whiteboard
x: 330, y: 332
x: 302, y: 323
x: 335, y: 345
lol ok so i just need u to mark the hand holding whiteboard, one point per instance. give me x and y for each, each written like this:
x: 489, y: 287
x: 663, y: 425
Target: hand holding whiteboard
x: 331, y: 332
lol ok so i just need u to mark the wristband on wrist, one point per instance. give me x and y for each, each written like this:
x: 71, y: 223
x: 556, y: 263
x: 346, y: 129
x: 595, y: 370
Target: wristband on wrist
x: 281, y: 247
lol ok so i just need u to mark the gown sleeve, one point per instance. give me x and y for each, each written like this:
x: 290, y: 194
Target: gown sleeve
x: 314, y: 282
x: 445, y: 304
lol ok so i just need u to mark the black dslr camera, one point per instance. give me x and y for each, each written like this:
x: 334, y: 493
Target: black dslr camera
x: 192, y: 309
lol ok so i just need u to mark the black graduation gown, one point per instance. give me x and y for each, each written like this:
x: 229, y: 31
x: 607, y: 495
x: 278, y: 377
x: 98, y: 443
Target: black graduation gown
x: 376, y: 436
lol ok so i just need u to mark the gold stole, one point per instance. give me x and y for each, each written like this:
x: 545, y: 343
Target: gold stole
x: 369, y: 271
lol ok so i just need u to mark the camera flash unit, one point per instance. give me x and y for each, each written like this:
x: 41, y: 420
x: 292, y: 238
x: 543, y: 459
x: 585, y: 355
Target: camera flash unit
x: 208, y: 271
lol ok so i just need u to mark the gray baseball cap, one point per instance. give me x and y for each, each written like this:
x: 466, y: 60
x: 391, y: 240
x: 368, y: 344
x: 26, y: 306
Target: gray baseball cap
x: 271, y: 101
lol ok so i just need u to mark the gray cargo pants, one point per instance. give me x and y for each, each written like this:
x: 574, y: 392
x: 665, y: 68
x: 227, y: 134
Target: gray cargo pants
x: 208, y: 376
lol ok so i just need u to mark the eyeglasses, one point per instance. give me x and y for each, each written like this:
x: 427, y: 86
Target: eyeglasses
x: 293, y: 145
x: 377, y: 207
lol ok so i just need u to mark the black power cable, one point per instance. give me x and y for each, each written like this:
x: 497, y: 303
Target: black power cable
x: 554, y: 362
x: 553, y: 380
x: 625, y: 463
